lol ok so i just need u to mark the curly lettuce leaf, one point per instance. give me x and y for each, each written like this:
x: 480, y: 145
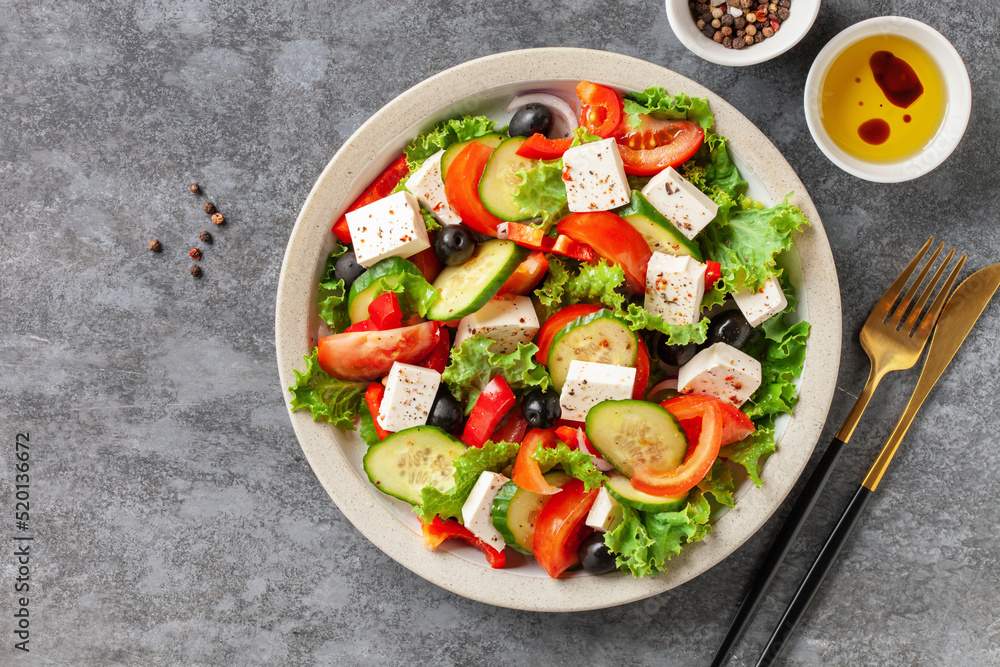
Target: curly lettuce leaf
x: 542, y: 193
x: 719, y: 482
x: 596, y: 283
x: 573, y: 461
x: 783, y: 355
x: 656, y: 102
x: 445, y: 134
x: 750, y: 451
x: 644, y: 541
x: 492, y: 456
x: 326, y: 397
x: 331, y: 298
x: 472, y: 365
x: 366, y: 426
x: 552, y: 292
x: 638, y: 317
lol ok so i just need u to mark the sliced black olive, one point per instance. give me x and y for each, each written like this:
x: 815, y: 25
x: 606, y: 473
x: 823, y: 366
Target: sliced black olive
x: 454, y: 245
x: 446, y: 411
x: 541, y: 409
x: 595, y: 557
x: 531, y: 119
x: 730, y: 327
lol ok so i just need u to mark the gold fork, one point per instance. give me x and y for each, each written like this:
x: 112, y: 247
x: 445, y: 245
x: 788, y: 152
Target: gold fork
x: 894, y: 336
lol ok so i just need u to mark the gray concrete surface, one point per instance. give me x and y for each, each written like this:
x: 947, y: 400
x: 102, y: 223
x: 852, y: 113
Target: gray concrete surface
x: 176, y: 522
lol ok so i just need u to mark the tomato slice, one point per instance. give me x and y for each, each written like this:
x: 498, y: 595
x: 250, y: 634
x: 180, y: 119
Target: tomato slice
x: 366, y: 355
x: 555, y: 323
x: 538, y: 147
x: 527, y: 274
x: 736, y: 426
x: 427, y: 261
x: 526, y: 473
x: 657, y: 144
x: 685, y: 476
x: 641, y: 370
x: 437, y: 358
x: 611, y: 238
x: 559, y: 529
x: 601, y: 110
x: 461, y: 188
x: 512, y: 427
x: 379, y: 188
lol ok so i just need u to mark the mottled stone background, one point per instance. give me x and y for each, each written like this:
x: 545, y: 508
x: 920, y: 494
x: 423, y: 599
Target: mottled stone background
x: 176, y: 520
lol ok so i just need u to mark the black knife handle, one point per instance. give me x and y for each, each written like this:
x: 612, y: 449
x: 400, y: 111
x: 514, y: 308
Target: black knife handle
x: 779, y: 548
x: 814, y: 578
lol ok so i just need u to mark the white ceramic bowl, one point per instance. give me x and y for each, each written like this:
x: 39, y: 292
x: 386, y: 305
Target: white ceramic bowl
x: 801, y: 17
x: 486, y: 85
x: 958, y: 92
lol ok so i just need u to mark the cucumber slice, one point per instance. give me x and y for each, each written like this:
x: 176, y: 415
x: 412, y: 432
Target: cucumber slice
x: 466, y: 288
x: 599, y: 337
x: 500, y: 180
x: 363, y: 290
x: 492, y: 140
x: 515, y: 511
x: 619, y: 488
x: 659, y: 233
x: 630, y: 432
x: 407, y: 461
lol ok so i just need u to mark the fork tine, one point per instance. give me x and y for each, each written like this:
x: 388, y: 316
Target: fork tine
x: 930, y: 319
x: 911, y: 321
x: 897, y: 315
x: 893, y: 292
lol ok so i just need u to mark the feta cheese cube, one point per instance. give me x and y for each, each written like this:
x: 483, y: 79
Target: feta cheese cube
x: 476, y: 512
x: 409, y: 393
x: 682, y: 203
x: 595, y: 177
x: 391, y: 226
x: 763, y: 304
x: 428, y: 186
x: 506, y: 322
x: 675, y: 286
x: 721, y: 371
x: 605, y: 514
x: 588, y: 383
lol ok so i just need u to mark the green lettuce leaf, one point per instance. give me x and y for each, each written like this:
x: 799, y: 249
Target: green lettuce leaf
x: 492, y: 456
x: 677, y: 334
x: 542, y: 193
x: 331, y: 298
x: 656, y: 102
x: 326, y: 397
x: 552, y: 292
x: 749, y: 451
x: 596, y: 283
x: 416, y: 295
x: 573, y: 461
x: 472, y: 365
x: 366, y: 427
x: 719, y: 482
x: 443, y: 135
x: 644, y: 541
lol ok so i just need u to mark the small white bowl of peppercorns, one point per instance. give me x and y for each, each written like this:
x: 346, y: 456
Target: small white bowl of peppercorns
x: 740, y: 32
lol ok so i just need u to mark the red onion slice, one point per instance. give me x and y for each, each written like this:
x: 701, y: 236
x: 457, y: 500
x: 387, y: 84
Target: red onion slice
x: 565, y: 117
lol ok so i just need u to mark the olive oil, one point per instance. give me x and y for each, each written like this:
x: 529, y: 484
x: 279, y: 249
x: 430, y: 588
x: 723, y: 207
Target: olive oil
x: 883, y: 99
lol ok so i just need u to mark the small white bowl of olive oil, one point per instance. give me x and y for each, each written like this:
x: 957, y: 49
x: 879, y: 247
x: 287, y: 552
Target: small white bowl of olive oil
x: 888, y: 99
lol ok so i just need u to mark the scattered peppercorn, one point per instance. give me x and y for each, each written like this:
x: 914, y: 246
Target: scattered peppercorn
x: 195, y: 254
x: 217, y: 218
x: 195, y: 189
x: 737, y: 24
x: 205, y: 237
x: 195, y: 271
x: 155, y: 246
x: 209, y: 208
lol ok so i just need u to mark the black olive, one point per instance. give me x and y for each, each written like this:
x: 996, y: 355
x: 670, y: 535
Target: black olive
x: 595, y: 557
x: 730, y: 327
x: 454, y: 245
x: 531, y: 119
x: 348, y: 269
x: 446, y: 411
x: 541, y: 409
x: 675, y: 355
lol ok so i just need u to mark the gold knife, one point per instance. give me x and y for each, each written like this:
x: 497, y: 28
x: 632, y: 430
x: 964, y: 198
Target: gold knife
x: 960, y: 314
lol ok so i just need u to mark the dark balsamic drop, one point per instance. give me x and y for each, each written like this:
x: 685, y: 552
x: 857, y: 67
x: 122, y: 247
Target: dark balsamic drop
x: 898, y: 81
x: 874, y: 131
x: 906, y: 118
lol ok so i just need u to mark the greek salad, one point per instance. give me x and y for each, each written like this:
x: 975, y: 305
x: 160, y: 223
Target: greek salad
x: 564, y: 337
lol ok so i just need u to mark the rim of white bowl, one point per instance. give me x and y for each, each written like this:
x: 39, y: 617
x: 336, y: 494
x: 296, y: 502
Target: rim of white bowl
x: 793, y: 29
x: 958, y: 90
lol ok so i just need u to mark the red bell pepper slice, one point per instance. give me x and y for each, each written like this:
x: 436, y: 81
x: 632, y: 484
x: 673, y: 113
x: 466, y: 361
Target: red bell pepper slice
x: 736, y: 426
x: 437, y: 531
x: 685, y: 476
x: 527, y: 275
x: 437, y: 359
x: 712, y: 274
x: 379, y: 188
x: 559, y: 529
x: 384, y: 311
x: 538, y: 147
x: 554, y: 325
x: 614, y: 239
x: 373, y: 399
x: 461, y: 188
x: 601, y: 111
x: 527, y: 474
x: 363, y: 325
x: 534, y: 238
x: 495, y: 401
x: 511, y: 428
